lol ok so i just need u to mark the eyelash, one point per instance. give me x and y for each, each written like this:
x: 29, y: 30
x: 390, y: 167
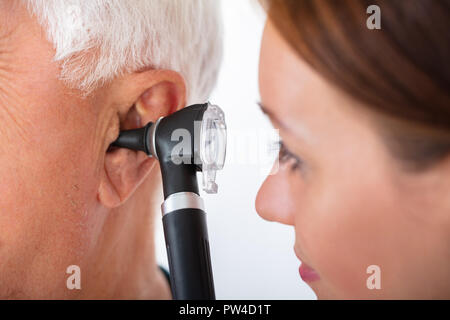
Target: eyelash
x: 286, y: 155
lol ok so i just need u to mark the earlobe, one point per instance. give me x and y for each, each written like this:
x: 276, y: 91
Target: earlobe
x: 124, y: 171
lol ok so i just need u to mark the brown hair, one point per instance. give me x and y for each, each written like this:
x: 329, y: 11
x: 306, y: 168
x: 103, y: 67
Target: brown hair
x: 401, y: 71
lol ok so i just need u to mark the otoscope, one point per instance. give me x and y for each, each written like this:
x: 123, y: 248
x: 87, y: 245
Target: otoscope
x: 190, y: 140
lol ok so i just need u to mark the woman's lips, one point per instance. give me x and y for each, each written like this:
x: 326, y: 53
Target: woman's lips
x: 307, y: 273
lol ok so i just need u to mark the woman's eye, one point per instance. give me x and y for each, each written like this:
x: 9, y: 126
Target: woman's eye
x: 286, y: 156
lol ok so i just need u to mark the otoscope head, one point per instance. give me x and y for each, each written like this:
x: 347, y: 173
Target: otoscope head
x: 190, y: 140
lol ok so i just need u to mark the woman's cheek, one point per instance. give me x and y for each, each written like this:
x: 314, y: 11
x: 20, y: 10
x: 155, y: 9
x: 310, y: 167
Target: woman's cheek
x: 342, y: 236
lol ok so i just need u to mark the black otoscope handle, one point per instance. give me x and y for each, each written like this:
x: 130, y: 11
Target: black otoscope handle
x: 186, y: 236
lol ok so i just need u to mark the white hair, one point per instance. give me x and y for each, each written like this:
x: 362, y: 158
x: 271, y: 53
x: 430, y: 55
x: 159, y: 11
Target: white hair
x: 98, y: 40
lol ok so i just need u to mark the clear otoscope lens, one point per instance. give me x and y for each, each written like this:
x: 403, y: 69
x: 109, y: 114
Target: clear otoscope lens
x: 213, y: 144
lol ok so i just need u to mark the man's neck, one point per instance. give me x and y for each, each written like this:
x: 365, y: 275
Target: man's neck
x: 124, y: 263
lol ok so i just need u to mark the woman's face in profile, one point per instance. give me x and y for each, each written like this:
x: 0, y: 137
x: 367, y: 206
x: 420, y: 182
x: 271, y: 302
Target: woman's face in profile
x: 353, y: 208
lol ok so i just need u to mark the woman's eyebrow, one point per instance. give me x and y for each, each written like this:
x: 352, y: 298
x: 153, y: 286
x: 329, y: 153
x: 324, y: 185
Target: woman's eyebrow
x: 299, y: 130
x: 273, y: 117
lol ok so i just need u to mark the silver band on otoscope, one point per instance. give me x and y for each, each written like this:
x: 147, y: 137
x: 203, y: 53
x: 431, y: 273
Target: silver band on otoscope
x: 182, y: 200
x: 153, y: 137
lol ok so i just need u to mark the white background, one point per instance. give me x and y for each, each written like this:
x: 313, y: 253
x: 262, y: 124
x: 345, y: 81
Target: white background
x: 251, y: 258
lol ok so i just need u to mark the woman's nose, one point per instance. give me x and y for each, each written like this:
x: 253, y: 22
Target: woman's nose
x: 274, y: 202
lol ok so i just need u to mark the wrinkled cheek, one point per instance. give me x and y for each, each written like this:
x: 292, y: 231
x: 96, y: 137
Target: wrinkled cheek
x: 46, y: 220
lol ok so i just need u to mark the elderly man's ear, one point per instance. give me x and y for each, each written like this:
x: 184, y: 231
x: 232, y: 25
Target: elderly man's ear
x: 140, y: 98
